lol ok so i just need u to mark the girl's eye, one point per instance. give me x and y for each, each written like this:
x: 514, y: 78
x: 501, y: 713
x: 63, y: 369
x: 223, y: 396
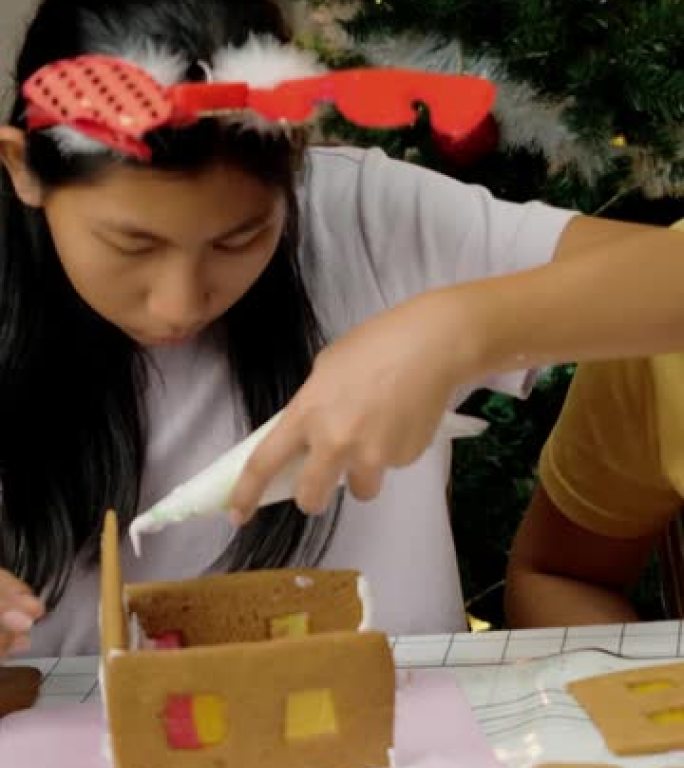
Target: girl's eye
x: 129, y: 249
x: 145, y: 250
x: 238, y: 244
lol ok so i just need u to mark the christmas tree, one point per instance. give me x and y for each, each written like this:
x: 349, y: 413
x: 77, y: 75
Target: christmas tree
x: 589, y: 115
x: 590, y: 112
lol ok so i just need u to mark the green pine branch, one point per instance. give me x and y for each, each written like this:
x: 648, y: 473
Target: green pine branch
x: 622, y: 61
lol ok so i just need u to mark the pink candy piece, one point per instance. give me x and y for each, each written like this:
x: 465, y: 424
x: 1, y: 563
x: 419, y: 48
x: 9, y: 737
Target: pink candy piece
x: 168, y: 641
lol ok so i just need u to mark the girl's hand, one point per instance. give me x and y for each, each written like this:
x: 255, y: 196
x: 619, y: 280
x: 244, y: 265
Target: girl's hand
x: 373, y: 401
x: 375, y: 397
x: 19, y: 609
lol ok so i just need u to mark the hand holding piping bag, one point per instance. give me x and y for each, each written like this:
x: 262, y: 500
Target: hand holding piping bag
x: 209, y: 492
x: 375, y: 399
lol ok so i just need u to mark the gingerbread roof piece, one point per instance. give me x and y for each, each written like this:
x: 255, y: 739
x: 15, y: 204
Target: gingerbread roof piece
x: 640, y: 711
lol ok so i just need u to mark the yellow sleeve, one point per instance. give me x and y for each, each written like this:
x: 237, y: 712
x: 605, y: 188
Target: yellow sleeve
x: 601, y: 465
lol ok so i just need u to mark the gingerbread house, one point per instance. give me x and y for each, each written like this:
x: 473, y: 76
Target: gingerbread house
x: 258, y: 670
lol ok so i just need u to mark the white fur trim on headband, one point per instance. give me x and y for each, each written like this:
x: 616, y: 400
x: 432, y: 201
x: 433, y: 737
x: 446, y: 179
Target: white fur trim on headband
x: 159, y: 61
x: 69, y: 141
x: 263, y: 62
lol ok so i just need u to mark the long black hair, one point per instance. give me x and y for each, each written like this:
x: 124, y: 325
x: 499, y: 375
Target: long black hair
x: 72, y: 421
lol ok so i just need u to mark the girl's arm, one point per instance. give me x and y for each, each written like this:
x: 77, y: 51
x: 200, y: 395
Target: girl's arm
x: 376, y: 395
x: 613, y: 290
x: 548, y: 584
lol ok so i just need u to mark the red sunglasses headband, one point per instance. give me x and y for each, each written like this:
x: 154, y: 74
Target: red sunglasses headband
x: 117, y: 103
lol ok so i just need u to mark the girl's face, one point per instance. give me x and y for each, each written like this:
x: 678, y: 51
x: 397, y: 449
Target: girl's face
x: 163, y: 255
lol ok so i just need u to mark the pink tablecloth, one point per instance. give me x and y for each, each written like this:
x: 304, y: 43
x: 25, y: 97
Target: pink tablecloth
x: 435, y: 728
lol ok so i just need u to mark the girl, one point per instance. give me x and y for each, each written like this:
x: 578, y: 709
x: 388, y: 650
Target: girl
x: 153, y: 313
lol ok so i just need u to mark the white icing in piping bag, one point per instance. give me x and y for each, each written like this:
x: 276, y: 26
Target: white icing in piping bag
x: 209, y: 492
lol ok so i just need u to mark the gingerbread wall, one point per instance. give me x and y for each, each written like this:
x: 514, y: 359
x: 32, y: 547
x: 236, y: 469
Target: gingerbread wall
x: 241, y: 607
x: 255, y: 689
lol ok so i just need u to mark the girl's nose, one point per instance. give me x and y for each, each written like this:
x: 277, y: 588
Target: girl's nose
x: 178, y: 300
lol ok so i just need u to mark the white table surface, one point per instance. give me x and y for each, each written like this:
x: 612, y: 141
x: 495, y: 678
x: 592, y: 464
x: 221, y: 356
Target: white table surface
x: 515, y: 682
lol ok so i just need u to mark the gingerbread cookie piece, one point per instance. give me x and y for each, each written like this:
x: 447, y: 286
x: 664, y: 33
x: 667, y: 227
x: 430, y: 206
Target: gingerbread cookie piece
x: 266, y: 669
x: 324, y: 700
x: 248, y: 607
x: 19, y: 687
x: 114, y: 623
x: 638, y: 712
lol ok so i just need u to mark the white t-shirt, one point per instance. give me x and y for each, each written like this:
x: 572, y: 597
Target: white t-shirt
x: 374, y: 232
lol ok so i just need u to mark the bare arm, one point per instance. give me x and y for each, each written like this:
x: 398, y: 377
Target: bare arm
x: 374, y: 401
x: 613, y: 290
x: 562, y: 575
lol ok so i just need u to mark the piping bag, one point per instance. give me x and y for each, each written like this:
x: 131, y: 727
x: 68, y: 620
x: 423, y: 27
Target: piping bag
x: 208, y: 493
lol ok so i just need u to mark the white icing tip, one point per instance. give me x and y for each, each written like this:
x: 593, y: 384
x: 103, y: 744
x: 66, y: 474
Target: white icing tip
x: 304, y: 582
x: 364, y: 593
x: 134, y: 534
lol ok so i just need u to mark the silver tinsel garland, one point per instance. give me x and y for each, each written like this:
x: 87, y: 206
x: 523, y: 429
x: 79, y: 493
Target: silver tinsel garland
x: 526, y: 118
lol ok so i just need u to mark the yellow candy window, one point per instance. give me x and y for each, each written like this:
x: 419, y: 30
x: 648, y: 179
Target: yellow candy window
x: 294, y: 625
x: 310, y: 714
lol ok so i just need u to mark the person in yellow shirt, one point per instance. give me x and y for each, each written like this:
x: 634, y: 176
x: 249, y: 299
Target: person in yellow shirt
x: 611, y: 482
